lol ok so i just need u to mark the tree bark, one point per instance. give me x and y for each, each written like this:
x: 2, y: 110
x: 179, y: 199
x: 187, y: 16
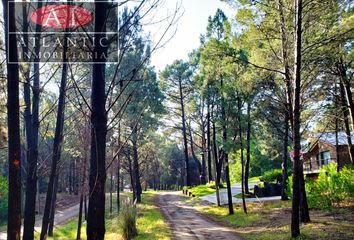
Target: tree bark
x: 248, y: 146
x: 96, y: 210
x: 136, y: 169
x: 242, y: 159
x: 58, y: 138
x: 347, y: 90
x: 52, y: 208
x: 131, y: 174
x: 216, y: 167
x: 295, y: 227
x: 345, y: 112
x: 13, y: 122
x: 225, y: 154
x: 201, y: 167
x: 210, y: 175
x: 184, y: 133
x: 32, y: 128
x: 284, y: 196
x: 304, y: 208
x: 111, y: 195
x: 118, y: 170
x: 78, y: 234
x: 82, y: 194
x: 85, y: 207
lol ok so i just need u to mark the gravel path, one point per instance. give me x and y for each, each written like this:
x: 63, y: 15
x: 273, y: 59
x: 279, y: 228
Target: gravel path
x: 187, y: 224
x: 60, y: 218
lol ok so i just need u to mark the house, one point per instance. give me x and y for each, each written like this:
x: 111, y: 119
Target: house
x: 321, y: 150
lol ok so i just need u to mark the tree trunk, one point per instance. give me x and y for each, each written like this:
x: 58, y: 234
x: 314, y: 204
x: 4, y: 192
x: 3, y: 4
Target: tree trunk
x: 337, y: 140
x: 295, y: 227
x: 111, y: 195
x: 58, y: 138
x: 82, y: 194
x: 52, y: 209
x: 96, y: 210
x: 85, y: 207
x: 347, y: 90
x: 248, y: 146
x: 225, y: 154
x: 210, y: 175
x: 216, y: 167
x: 242, y: 159
x: 304, y: 208
x: 200, y: 167
x: 78, y: 234
x: 131, y: 174
x: 32, y: 128
x: 13, y: 123
x: 345, y: 111
x: 284, y: 196
x: 138, y: 189
x: 184, y: 134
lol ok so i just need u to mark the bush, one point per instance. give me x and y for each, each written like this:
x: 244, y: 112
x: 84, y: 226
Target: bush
x: 3, y: 198
x: 127, y: 220
x: 212, y: 185
x: 331, y: 187
x: 272, y: 176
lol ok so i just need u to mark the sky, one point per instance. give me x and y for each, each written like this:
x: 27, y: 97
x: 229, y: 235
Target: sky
x: 189, y: 27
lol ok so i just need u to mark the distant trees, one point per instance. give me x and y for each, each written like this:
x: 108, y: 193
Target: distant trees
x: 176, y: 81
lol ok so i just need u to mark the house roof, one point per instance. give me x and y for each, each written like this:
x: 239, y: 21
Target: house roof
x: 331, y: 138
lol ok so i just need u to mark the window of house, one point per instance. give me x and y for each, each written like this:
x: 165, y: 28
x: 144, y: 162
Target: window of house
x: 323, y: 158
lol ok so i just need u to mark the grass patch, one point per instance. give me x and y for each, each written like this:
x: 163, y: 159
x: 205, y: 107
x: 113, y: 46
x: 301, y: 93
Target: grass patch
x: 239, y: 195
x: 271, y: 220
x: 150, y: 223
x: 201, y: 190
x: 238, y: 219
x: 254, y: 179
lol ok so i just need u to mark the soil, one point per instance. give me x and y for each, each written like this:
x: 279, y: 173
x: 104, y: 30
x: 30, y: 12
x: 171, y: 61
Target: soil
x: 64, y: 201
x: 186, y: 223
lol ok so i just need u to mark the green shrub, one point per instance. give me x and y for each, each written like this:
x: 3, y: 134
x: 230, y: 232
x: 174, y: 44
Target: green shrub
x: 3, y: 198
x: 211, y: 184
x: 127, y: 221
x: 331, y: 187
x: 272, y: 176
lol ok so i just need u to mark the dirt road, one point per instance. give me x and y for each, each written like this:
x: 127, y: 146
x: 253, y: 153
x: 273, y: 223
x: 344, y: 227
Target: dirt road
x: 61, y: 216
x: 187, y: 224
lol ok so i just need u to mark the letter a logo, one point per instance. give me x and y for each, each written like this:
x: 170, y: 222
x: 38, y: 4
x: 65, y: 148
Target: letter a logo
x: 52, y: 16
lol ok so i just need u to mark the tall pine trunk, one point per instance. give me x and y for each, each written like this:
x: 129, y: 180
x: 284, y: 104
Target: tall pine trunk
x: 13, y: 123
x: 210, y: 174
x: 52, y: 208
x: 32, y: 128
x: 225, y: 154
x: 248, y: 146
x: 184, y: 134
x: 136, y: 169
x: 82, y: 194
x: 345, y: 111
x: 295, y: 221
x: 239, y: 106
x: 96, y: 210
x: 288, y: 109
x: 284, y: 167
x: 58, y: 139
x: 216, y: 166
